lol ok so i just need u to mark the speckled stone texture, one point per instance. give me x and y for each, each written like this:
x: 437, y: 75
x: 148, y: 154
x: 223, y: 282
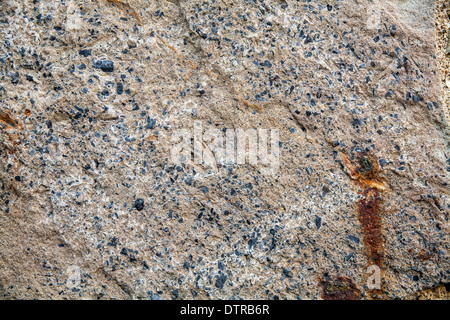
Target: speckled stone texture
x: 91, y: 206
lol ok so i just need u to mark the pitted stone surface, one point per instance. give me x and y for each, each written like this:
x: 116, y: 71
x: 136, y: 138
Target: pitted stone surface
x: 90, y: 97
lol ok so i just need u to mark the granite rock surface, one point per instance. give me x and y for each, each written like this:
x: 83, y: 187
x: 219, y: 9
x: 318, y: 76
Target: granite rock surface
x: 92, y: 205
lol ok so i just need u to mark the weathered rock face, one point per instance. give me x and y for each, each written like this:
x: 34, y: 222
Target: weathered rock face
x: 93, y: 205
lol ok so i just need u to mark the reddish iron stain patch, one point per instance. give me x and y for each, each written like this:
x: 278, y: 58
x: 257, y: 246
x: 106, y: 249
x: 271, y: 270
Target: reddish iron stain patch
x: 424, y: 256
x: 365, y: 173
x: 6, y: 118
x: 11, y: 129
x: 340, y: 288
x: 369, y: 217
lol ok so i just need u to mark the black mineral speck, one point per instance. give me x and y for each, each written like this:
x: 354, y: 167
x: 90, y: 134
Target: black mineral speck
x: 318, y: 222
x: 267, y: 64
x: 308, y: 39
x: 353, y: 238
x: 119, y: 88
x: 104, y: 65
x: 139, y: 204
x: 204, y: 189
x: 150, y: 123
x: 85, y: 52
x: 287, y: 273
x: 220, y: 281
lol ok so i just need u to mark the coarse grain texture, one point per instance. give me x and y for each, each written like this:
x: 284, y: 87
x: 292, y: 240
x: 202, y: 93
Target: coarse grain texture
x: 92, y: 206
x: 442, y: 15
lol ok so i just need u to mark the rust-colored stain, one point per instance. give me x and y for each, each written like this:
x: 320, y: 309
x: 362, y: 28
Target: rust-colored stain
x: 424, y: 256
x: 11, y: 129
x: 364, y: 171
x: 7, y: 119
x: 369, y: 217
x: 340, y: 288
